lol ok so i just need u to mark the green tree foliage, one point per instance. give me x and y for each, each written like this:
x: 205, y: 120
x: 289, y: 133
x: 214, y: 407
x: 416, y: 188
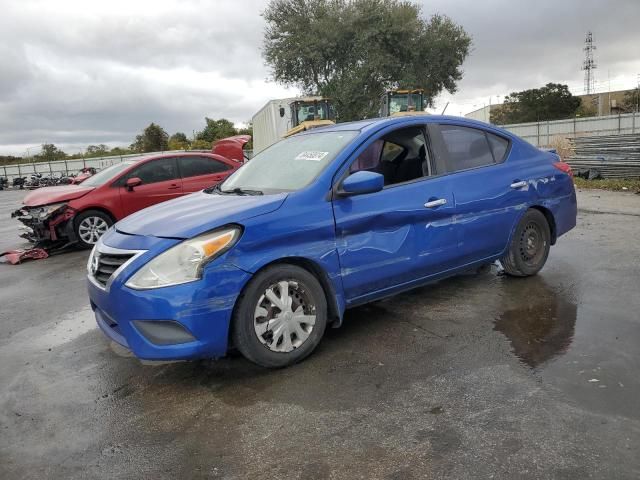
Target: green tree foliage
x: 97, y: 150
x: 631, y: 101
x: 554, y: 101
x: 354, y: 50
x: 50, y: 153
x: 200, y: 145
x: 152, y: 139
x: 215, y: 130
x: 9, y: 160
x: 178, y: 141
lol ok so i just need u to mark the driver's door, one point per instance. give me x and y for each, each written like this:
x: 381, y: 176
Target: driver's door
x: 160, y: 182
x: 396, y: 236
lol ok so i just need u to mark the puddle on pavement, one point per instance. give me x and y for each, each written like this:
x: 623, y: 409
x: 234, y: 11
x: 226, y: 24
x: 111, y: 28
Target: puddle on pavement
x: 542, y: 327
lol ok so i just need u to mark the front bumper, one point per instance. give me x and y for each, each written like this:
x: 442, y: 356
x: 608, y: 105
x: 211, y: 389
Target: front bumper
x: 201, y: 310
x: 54, y: 228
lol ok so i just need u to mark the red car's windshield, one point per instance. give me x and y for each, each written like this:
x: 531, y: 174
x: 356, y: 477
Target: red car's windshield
x: 103, y: 176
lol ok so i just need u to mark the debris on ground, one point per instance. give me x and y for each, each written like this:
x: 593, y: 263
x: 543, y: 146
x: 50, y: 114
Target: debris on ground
x: 18, y: 256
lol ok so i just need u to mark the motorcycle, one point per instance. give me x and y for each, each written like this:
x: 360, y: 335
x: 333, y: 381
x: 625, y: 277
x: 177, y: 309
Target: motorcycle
x: 19, y: 182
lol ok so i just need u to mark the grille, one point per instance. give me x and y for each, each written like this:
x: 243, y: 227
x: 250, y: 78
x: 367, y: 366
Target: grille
x: 107, y: 264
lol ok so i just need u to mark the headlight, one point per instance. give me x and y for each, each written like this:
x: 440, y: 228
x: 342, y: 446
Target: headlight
x: 184, y: 262
x: 49, y: 210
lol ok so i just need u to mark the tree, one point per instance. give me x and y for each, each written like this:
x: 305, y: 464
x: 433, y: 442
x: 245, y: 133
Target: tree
x: 200, y: 145
x: 97, y: 150
x: 152, y: 139
x: 631, y: 101
x: 49, y: 153
x: 353, y: 50
x: 216, y: 129
x: 120, y: 151
x: 554, y: 101
x: 178, y: 141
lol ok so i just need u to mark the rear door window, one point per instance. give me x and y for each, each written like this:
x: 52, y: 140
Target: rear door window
x: 463, y: 148
x: 196, y: 166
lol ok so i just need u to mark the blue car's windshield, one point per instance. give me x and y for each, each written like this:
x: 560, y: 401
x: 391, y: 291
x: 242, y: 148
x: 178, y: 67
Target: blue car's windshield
x: 289, y: 164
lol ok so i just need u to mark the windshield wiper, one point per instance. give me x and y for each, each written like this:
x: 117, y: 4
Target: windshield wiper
x: 234, y: 191
x: 241, y: 191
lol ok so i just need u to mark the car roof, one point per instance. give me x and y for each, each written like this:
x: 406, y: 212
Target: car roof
x: 192, y: 153
x: 369, y: 125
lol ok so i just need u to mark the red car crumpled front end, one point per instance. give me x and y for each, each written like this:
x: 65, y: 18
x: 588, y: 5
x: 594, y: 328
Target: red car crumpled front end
x: 47, y: 216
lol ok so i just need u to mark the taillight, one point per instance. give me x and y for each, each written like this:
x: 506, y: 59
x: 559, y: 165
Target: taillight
x: 564, y: 167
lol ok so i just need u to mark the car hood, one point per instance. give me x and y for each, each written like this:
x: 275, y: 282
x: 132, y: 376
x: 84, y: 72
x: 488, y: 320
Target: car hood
x: 197, y: 213
x: 48, y: 195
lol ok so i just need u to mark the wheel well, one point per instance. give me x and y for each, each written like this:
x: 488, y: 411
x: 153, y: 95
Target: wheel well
x: 97, y: 209
x: 550, y: 220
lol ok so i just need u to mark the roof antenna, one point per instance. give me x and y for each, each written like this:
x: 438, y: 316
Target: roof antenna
x: 445, y: 108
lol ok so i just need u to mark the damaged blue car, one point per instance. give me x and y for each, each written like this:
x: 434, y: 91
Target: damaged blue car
x: 320, y: 222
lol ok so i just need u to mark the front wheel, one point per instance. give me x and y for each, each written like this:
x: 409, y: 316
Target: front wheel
x: 90, y: 226
x: 529, y: 246
x: 280, y: 317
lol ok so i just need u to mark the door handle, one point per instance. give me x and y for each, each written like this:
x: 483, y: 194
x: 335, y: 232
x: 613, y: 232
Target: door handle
x: 436, y: 203
x: 519, y: 184
x: 173, y: 187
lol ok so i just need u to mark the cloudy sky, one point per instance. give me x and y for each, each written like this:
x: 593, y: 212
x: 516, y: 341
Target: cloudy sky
x: 85, y: 72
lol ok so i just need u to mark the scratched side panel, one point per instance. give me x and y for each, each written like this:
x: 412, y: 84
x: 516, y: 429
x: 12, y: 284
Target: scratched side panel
x: 303, y: 228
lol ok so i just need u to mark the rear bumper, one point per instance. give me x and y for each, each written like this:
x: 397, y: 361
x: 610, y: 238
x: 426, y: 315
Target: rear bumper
x: 196, y: 314
x: 566, y: 214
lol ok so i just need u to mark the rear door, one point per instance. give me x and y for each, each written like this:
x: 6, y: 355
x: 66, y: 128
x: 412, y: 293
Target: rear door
x: 160, y: 182
x: 489, y: 192
x: 199, y: 172
x: 403, y: 233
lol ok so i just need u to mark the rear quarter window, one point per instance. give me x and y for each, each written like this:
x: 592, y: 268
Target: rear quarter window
x: 499, y: 147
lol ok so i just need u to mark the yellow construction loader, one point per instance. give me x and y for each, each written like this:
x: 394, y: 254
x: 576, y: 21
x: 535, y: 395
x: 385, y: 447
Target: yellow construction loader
x: 395, y: 103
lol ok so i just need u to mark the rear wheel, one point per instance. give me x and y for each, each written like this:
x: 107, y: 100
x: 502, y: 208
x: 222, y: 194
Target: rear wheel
x: 529, y: 246
x: 280, y: 317
x: 90, y: 226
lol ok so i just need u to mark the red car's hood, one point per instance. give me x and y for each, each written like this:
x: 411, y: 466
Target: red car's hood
x: 62, y: 193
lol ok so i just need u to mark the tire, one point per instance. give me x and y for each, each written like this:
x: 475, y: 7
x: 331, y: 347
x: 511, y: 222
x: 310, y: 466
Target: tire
x: 529, y: 247
x: 89, y: 226
x: 270, y: 336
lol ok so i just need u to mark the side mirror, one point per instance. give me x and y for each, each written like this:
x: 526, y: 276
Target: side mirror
x: 362, y: 182
x: 133, y: 182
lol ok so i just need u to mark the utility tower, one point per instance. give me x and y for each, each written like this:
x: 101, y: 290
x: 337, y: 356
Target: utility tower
x: 589, y: 64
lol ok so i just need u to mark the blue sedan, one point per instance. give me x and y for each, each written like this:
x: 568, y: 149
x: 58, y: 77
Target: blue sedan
x: 321, y: 222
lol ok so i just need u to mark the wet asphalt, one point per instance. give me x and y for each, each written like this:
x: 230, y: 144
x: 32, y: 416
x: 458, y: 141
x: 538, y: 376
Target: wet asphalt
x: 478, y: 376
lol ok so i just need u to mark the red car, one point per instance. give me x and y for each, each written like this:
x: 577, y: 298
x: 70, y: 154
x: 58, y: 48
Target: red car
x: 62, y: 215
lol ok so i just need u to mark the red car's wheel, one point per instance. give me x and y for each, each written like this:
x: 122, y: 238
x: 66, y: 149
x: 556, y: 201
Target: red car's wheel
x: 90, y: 226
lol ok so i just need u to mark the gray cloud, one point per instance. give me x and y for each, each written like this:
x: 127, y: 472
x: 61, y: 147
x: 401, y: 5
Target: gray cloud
x: 75, y: 73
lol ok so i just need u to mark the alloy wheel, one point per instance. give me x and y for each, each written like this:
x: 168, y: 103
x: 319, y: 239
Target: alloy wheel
x: 91, y: 229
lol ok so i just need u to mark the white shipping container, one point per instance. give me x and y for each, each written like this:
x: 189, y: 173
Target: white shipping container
x: 268, y: 125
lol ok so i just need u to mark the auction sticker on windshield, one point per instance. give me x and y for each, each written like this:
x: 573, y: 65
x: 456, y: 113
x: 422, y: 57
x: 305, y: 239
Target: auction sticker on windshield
x: 311, y: 156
